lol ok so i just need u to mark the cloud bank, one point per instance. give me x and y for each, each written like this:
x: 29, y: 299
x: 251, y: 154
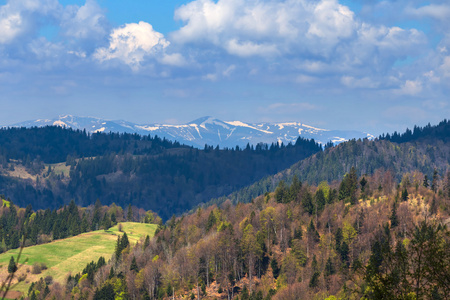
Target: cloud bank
x: 394, y: 50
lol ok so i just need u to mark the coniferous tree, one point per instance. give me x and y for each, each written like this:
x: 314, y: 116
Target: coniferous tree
x: 434, y: 182
x: 134, y: 266
x: 12, y: 267
x: 147, y: 241
x: 329, y: 268
x: 425, y: 181
x: 393, y: 217
x: 130, y: 213
x: 405, y: 194
x: 124, y: 242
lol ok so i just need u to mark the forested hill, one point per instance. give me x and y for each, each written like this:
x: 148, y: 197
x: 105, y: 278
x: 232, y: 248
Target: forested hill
x: 48, y: 167
x: 379, y: 240
x: 54, y: 144
x: 441, y: 131
x: 424, y: 149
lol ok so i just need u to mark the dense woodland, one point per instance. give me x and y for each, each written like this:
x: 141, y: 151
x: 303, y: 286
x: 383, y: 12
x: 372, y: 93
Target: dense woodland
x: 424, y: 149
x: 367, y: 237
x: 362, y: 220
x: 147, y: 172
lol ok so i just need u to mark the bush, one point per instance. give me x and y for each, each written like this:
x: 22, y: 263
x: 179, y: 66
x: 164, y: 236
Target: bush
x: 48, y: 280
x: 38, y: 268
x: 22, y: 277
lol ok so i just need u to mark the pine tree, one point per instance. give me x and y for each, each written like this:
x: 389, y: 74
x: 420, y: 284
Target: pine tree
x: 12, y: 266
x: 393, y: 217
x: 434, y: 182
x: 425, y: 181
x: 124, y: 242
x: 118, y: 249
x: 130, y: 213
x: 405, y: 194
x: 134, y: 266
x: 329, y: 268
x: 147, y: 241
x: 211, y: 221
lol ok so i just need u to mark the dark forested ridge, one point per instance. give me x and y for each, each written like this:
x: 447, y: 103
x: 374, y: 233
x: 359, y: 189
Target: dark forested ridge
x: 54, y: 144
x: 441, y: 131
x: 425, y: 149
x: 147, y: 172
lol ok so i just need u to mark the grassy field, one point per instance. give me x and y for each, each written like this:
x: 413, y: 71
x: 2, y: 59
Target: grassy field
x: 72, y: 254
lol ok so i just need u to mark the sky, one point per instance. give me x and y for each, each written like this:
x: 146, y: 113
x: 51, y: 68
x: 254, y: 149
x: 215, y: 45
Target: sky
x: 368, y: 65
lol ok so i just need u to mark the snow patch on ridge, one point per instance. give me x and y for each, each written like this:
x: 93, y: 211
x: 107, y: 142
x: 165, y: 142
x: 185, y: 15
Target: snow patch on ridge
x: 60, y: 123
x: 241, y: 124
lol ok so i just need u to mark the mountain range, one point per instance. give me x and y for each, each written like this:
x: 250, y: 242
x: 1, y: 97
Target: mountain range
x: 206, y: 130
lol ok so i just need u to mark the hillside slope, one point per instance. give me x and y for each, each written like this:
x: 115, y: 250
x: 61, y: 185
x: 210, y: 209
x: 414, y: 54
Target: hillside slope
x: 70, y: 255
x: 48, y: 167
x: 425, y: 150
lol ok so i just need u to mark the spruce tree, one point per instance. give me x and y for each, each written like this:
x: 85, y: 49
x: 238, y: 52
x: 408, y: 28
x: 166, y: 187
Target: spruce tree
x: 393, y: 217
x: 130, y: 213
x: 134, y: 266
x: 12, y: 266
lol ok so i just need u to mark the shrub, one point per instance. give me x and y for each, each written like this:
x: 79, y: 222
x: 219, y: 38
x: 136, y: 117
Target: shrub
x: 22, y: 277
x: 48, y: 280
x: 38, y: 268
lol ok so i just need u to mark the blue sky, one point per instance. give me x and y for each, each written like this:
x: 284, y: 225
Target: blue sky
x: 376, y: 66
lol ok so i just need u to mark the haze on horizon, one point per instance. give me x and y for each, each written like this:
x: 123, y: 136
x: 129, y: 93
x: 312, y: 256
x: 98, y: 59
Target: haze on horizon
x: 374, y: 66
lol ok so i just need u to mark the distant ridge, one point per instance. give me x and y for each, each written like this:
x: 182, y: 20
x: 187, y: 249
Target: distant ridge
x: 207, y: 130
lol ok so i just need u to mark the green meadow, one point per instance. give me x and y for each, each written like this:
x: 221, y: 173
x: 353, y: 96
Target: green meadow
x: 72, y: 254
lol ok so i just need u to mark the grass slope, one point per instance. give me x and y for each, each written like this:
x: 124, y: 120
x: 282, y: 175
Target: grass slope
x: 72, y: 254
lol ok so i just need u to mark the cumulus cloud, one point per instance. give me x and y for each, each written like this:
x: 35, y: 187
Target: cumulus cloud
x: 132, y: 43
x: 436, y: 11
x: 316, y: 30
x: 85, y: 22
x: 20, y: 18
x: 410, y: 88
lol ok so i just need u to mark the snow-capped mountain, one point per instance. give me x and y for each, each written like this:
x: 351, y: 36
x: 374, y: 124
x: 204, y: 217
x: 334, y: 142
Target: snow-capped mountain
x: 207, y: 130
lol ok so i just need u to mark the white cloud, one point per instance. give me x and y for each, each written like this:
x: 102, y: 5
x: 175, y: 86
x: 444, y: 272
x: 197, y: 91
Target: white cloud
x: 445, y: 67
x: 85, y: 22
x: 174, y: 59
x: 436, y: 11
x: 43, y: 49
x: 312, y: 30
x: 228, y: 71
x: 265, y: 28
x: 364, y: 82
x: 331, y: 21
x: 410, y: 87
x: 132, y: 43
x: 248, y: 48
x: 10, y: 26
x: 21, y: 17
